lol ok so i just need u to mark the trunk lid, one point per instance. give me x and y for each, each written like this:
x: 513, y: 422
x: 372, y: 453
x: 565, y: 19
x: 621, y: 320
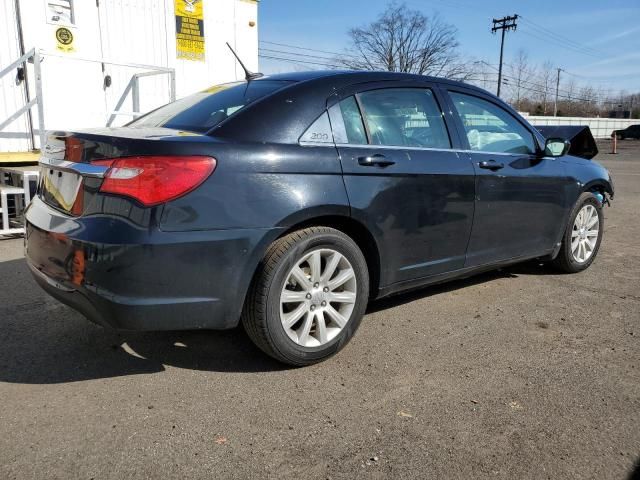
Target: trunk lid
x: 72, y: 164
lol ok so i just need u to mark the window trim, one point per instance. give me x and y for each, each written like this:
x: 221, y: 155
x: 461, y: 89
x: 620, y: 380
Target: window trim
x: 462, y: 132
x: 435, y: 95
x: 365, y: 124
x: 436, y: 86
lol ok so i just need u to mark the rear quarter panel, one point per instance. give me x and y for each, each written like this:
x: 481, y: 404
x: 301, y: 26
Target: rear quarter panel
x: 262, y: 186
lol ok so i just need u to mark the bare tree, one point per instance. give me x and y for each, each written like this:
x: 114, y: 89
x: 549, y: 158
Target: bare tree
x: 571, y: 88
x: 520, y: 72
x: 405, y: 40
x: 546, y: 84
x: 588, y: 99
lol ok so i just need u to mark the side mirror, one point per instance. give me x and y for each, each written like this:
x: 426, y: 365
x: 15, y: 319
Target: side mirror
x: 556, y: 147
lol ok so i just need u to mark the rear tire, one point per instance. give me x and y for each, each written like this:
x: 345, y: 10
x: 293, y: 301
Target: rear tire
x: 583, y: 235
x: 308, y: 296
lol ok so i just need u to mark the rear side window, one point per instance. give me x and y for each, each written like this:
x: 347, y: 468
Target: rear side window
x: 490, y: 128
x: 204, y: 110
x: 318, y: 132
x: 404, y: 117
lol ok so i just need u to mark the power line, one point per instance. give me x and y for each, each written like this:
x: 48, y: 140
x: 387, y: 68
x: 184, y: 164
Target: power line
x: 561, y: 38
x: 538, y: 88
x: 546, y: 38
x: 602, y: 86
x: 296, y: 53
x: 297, y: 47
x: 293, y: 60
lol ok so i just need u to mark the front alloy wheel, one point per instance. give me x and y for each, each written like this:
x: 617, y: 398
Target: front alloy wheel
x: 583, y: 235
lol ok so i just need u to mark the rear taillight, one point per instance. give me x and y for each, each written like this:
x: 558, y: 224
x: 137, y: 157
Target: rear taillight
x: 156, y: 179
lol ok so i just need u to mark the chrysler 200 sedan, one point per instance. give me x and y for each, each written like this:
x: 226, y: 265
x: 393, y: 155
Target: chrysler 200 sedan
x: 287, y: 202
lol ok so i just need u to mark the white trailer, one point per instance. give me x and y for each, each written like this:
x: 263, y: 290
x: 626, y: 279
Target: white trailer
x: 93, y: 63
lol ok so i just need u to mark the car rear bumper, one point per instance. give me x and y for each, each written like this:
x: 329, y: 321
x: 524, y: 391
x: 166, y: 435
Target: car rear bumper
x: 122, y: 276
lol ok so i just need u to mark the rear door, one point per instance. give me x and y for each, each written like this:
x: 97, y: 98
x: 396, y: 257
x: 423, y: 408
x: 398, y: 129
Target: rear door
x: 520, y: 194
x: 403, y: 176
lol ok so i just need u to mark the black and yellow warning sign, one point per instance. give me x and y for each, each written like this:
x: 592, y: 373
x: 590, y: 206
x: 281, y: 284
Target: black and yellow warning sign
x: 189, y: 30
x: 64, y: 39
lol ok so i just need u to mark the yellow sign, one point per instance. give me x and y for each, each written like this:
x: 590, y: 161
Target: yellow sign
x: 64, y: 39
x: 189, y: 30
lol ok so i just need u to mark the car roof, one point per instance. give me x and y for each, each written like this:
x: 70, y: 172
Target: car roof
x: 281, y: 117
x: 359, y: 76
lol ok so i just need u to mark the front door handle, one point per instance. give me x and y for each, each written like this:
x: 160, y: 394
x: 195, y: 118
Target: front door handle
x: 376, y: 160
x: 491, y: 165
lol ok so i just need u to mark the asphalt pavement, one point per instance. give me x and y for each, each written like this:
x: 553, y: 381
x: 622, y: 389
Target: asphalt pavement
x: 514, y: 374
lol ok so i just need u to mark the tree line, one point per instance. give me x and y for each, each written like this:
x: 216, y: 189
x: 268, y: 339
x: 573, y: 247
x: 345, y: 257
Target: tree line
x: 405, y: 40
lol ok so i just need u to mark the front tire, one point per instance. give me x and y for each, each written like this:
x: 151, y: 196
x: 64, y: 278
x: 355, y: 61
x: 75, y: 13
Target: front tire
x: 582, y: 238
x: 308, y: 296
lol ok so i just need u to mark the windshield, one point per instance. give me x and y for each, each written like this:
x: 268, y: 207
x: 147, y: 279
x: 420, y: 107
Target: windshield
x: 204, y: 110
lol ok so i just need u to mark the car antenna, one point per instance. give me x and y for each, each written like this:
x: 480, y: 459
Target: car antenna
x: 248, y: 74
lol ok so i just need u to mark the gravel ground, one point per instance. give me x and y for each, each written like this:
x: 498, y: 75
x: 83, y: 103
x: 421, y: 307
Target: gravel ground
x: 520, y: 373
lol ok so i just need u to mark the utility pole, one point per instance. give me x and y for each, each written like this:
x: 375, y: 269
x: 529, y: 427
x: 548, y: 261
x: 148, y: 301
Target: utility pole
x: 504, y: 24
x: 555, y: 102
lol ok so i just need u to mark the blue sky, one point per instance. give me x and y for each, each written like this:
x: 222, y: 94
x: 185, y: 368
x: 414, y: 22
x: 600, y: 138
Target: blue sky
x: 603, y: 46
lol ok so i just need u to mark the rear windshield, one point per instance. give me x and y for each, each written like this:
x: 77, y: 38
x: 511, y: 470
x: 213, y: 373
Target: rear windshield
x: 204, y: 110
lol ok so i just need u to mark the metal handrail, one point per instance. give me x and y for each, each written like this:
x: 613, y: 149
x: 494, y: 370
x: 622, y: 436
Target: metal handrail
x: 35, y: 55
x: 134, y: 87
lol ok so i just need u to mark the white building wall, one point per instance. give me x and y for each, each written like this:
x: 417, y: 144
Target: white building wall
x: 108, y: 35
x: 600, y: 127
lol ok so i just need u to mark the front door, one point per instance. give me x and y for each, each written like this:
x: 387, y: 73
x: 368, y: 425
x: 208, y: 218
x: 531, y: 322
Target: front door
x: 404, y: 179
x: 520, y: 194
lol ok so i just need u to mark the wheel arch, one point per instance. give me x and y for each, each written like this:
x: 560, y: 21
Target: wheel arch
x: 358, y: 233
x: 598, y: 185
x: 347, y: 225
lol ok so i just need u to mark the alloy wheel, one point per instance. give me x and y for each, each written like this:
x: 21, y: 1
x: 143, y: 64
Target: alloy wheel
x: 584, y: 236
x: 318, y: 297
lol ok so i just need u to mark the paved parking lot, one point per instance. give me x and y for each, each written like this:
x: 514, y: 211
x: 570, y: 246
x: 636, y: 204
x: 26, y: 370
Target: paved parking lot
x: 521, y: 373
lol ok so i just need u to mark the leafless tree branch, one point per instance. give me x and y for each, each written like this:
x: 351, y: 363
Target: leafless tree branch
x: 405, y: 40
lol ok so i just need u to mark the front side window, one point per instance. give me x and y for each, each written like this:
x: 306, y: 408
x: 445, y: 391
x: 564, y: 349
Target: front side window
x: 407, y: 117
x: 490, y: 128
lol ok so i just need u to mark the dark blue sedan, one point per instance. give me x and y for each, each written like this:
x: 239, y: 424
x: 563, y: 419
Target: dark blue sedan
x: 287, y: 202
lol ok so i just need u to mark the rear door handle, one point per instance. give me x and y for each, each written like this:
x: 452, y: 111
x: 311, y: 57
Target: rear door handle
x: 376, y: 160
x: 491, y: 165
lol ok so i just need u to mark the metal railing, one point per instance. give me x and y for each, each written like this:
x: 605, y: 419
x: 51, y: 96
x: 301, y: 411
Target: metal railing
x: 134, y: 87
x: 31, y: 56
x: 36, y: 57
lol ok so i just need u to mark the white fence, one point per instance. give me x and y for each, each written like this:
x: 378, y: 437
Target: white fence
x: 600, y: 127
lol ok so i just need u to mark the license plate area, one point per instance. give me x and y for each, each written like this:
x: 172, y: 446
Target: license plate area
x: 59, y: 188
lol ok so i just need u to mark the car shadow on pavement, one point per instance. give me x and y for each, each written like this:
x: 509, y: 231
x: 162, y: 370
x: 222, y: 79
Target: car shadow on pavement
x: 45, y: 342
x: 526, y: 268
x: 635, y: 473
